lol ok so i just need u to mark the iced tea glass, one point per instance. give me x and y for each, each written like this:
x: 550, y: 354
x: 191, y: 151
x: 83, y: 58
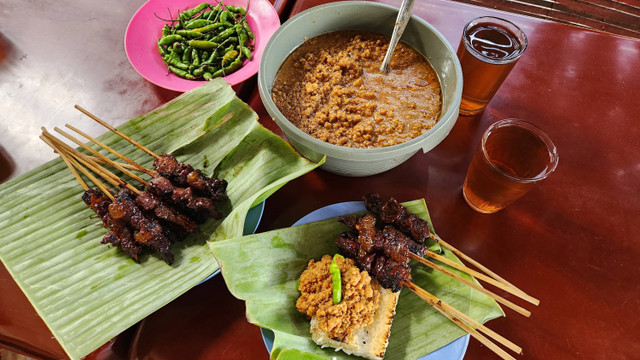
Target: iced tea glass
x: 488, y: 50
x: 512, y: 157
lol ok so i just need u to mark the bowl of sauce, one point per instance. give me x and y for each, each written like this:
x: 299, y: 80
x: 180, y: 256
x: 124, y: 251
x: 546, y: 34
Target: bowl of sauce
x: 320, y: 82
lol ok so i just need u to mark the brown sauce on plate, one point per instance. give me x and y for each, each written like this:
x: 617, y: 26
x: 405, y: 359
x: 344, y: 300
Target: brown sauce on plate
x: 331, y: 88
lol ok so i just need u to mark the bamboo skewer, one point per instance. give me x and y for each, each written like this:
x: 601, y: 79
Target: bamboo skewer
x: 459, y: 253
x: 104, y: 173
x: 498, y: 298
x: 135, y: 143
x: 465, y: 322
x: 87, y: 173
x: 64, y: 158
x: 99, y: 143
x: 483, y: 277
x: 100, y: 161
x: 109, y: 161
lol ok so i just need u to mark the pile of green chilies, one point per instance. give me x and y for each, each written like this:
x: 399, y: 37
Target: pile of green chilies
x: 207, y: 41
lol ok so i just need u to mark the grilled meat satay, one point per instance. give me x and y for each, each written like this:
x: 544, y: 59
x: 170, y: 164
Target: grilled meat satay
x: 184, y: 175
x: 389, y: 273
x: 147, y: 229
x: 392, y: 212
x: 152, y: 204
x: 195, y: 207
x: 388, y: 232
x: 119, y: 233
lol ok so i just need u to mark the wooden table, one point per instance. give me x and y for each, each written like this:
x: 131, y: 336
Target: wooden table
x: 571, y: 241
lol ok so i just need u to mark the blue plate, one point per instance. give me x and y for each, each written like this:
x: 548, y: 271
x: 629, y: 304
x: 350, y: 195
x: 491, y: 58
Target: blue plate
x: 452, y: 351
x: 254, y: 215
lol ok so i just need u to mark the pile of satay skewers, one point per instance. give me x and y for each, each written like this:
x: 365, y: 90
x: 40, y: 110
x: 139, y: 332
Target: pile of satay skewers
x: 383, y: 241
x: 173, y: 203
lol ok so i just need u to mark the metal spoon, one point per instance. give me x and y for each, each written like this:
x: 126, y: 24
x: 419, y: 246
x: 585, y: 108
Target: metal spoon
x: 401, y: 22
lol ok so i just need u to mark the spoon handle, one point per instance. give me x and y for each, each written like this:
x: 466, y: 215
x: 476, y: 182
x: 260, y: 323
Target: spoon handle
x: 401, y: 22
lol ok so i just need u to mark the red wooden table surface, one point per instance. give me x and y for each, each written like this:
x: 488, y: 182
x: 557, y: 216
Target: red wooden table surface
x: 571, y: 241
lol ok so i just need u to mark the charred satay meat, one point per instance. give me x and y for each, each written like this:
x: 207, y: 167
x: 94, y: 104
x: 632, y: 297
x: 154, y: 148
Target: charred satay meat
x: 389, y: 273
x: 392, y: 212
x: 198, y: 208
x: 147, y: 229
x: 151, y: 203
x: 119, y: 233
x: 184, y: 175
x: 387, y: 233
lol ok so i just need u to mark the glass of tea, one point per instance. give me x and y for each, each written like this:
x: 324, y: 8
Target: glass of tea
x: 513, y: 155
x: 488, y: 50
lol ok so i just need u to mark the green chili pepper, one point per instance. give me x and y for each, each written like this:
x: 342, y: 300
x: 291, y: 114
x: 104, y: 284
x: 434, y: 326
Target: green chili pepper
x: 242, y: 36
x: 218, y: 73
x: 206, y: 29
x: 174, y: 60
x: 237, y: 9
x: 212, y: 57
x: 188, y: 14
x: 214, y: 14
x: 189, y: 33
x: 194, y: 24
x: 203, y: 44
x: 247, y: 52
x: 197, y: 72
x: 195, y: 57
x: 229, y: 56
x: 245, y: 24
x: 235, y: 65
x: 223, y: 35
x: 336, y: 279
x: 186, y: 56
x: 163, y: 50
x: 169, y: 39
x: 207, y: 75
x: 227, y: 49
x: 182, y: 73
x: 178, y: 47
x: 166, y: 30
x: 224, y: 16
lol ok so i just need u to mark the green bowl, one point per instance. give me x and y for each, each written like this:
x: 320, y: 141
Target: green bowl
x: 374, y: 17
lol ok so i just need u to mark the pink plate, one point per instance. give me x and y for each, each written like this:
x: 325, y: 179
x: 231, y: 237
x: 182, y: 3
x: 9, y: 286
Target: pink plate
x: 145, y: 28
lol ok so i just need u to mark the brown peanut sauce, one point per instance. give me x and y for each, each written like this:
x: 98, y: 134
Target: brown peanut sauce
x: 331, y: 88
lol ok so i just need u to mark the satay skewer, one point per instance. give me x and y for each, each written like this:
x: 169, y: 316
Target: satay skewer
x: 479, y: 275
x: 135, y: 143
x: 396, y: 213
x: 498, y: 298
x: 465, y: 322
x: 475, y: 263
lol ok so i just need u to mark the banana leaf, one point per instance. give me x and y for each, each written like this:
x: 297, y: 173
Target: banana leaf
x: 87, y: 292
x: 263, y: 269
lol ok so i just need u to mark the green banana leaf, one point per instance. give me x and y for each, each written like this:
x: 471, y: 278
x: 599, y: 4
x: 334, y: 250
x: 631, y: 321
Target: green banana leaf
x: 87, y: 292
x: 263, y: 270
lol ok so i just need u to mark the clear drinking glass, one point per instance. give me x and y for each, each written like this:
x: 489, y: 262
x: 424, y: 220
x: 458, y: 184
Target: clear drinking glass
x: 488, y: 50
x: 512, y: 157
